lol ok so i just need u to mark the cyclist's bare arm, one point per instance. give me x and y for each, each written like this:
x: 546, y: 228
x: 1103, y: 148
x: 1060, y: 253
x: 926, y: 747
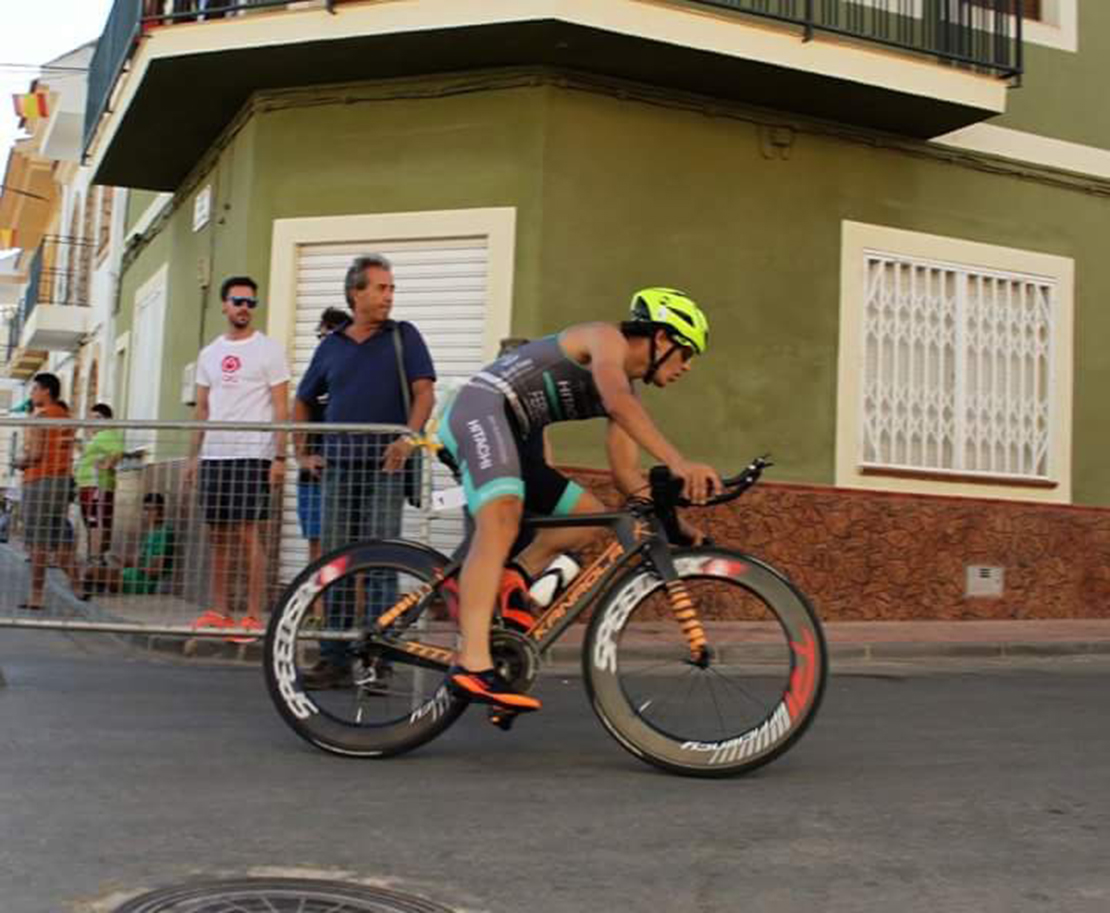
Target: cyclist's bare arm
x: 606, y: 350
x: 624, y: 460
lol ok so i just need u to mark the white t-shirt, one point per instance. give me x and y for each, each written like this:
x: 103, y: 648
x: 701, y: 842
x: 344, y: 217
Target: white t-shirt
x: 239, y: 374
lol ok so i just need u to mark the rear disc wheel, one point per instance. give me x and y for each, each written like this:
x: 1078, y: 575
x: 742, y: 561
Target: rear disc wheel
x: 372, y: 702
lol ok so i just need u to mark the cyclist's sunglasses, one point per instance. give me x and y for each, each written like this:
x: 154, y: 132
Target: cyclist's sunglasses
x: 685, y: 352
x: 243, y: 301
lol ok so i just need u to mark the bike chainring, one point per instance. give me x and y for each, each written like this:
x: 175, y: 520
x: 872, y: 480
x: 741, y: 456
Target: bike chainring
x: 515, y: 657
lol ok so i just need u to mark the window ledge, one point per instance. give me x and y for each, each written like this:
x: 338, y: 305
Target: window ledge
x: 935, y: 475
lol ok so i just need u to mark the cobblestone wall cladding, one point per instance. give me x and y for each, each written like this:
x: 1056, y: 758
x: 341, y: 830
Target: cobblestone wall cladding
x: 863, y: 556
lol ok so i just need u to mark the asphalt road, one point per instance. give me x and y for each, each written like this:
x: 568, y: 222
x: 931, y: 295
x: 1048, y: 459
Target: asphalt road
x: 948, y: 787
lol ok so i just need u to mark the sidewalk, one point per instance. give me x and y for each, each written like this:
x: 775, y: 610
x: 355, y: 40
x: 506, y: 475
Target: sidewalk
x: 903, y: 640
x: 855, y: 641
x: 847, y: 640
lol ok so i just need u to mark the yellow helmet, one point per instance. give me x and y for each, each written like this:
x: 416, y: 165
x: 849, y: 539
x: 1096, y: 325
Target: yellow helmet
x: 674, y: 312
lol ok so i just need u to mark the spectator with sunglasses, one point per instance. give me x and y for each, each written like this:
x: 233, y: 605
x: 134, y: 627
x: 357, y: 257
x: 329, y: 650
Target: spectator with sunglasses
x: 242, y: 376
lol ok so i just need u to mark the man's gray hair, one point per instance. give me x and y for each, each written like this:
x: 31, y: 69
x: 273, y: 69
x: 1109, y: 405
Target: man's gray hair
x: 356, y: 273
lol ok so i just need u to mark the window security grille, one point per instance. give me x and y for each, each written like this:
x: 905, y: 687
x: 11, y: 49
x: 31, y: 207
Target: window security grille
x: 957, y: 369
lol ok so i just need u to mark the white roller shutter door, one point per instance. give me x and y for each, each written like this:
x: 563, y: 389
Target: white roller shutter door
x: 442, y: 288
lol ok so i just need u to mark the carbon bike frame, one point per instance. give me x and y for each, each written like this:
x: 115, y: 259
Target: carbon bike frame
x: 636, y: 537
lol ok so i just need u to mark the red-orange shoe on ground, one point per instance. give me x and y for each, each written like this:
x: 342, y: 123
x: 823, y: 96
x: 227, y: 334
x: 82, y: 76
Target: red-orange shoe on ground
x: 212, y: 619
x: 249, y: 623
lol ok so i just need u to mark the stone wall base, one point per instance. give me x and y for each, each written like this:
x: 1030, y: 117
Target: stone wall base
x: 874, y: 556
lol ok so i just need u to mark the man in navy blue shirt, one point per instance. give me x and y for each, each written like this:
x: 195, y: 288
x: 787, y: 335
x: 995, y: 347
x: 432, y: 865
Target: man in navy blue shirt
x: 363, y: 482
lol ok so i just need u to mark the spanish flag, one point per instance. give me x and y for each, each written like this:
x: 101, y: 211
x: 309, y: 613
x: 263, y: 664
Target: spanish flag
x: 7, y: 238
x: 31, y: 106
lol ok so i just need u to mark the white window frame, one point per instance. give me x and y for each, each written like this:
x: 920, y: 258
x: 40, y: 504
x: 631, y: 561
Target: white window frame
x: 120, y: 373
x: 857, y: 241
x: 497, y: 224
x: 1058, y: 28
x: 150, y: 311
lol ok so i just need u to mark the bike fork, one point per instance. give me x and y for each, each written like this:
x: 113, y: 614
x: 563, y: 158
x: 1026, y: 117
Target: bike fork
x: 682, y: 605
x: 684, y: 612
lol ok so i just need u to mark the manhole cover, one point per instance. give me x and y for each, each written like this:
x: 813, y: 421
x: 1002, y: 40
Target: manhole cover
x: 278, y: 895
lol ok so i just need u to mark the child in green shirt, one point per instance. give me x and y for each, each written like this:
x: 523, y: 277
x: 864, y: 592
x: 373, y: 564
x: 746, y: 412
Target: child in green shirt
x: 154, y: 562
x: 95, y: 474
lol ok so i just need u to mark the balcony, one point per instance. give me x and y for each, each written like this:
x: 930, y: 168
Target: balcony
x: 163, y: 86
x: 53, y: 314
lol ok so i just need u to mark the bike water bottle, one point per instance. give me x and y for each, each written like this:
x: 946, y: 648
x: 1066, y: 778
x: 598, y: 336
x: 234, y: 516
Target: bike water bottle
x: 561, y: 571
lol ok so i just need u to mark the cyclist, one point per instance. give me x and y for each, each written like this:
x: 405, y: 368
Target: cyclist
x: 584, y: 372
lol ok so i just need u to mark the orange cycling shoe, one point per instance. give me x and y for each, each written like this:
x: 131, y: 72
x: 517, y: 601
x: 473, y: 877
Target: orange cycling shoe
x: 489, y: 688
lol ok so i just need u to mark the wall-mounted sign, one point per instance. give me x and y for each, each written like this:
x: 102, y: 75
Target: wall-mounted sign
x: 202, y: 208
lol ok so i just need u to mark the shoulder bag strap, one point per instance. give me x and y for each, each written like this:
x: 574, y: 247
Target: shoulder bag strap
x: 399, y: 349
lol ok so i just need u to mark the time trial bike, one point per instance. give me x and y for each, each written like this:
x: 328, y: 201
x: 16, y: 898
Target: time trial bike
x: 698, y: 659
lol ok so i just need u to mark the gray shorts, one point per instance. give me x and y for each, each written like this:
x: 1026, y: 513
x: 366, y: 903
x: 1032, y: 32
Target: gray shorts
x: 494, y: 463
x: 45, y: 505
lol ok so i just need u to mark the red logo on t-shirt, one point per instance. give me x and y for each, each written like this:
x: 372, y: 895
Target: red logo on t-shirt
x: 231, y: 364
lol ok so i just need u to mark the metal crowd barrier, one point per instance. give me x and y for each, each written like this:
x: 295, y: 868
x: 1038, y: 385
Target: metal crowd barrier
x: 145, y: 545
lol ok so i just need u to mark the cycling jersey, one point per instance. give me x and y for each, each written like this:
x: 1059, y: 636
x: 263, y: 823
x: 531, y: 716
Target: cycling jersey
x: 542, y: 385
x: 509, y: 401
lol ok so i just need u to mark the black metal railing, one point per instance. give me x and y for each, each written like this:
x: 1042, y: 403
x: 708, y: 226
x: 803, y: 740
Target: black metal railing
x: 112, y: 51
x: 59, y: 274
x: 15, y: 329
x: 129, y: 19
x: 34, y: 284
x: 981, y: 34
x: 167, y: 12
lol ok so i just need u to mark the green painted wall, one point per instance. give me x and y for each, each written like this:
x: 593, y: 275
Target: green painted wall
x: 470, y: 150
x: 612, y: 195
x: 1064, y: 94
x: 638, y: 195
x: 138, y: 201
x: 223, y: 247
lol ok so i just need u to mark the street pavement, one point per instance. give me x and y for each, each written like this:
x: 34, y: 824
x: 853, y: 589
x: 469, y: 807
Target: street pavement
x: 932, y: 784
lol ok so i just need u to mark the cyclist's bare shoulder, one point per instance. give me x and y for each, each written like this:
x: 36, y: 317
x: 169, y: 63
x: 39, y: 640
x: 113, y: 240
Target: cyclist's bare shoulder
x: 589, y: 342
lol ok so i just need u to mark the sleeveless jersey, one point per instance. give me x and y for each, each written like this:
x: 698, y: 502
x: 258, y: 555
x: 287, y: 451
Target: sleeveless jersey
x: 542, y: 385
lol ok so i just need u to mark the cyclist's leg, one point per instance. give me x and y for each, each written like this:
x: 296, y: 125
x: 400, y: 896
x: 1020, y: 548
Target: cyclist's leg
x: 550, y: 493
x: 477, y: 433
x: 496, y: 526
x: 549, y: 543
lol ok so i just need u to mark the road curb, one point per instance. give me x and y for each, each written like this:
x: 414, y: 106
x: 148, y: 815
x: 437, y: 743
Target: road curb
x: 889, y: 651
x: 966, y: 649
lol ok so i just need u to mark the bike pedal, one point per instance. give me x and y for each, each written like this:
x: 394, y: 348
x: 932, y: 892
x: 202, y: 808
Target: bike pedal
x: 501, y: 718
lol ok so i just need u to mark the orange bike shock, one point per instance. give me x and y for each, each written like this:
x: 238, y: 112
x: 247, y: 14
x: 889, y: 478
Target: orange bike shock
x: 682, y: 607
